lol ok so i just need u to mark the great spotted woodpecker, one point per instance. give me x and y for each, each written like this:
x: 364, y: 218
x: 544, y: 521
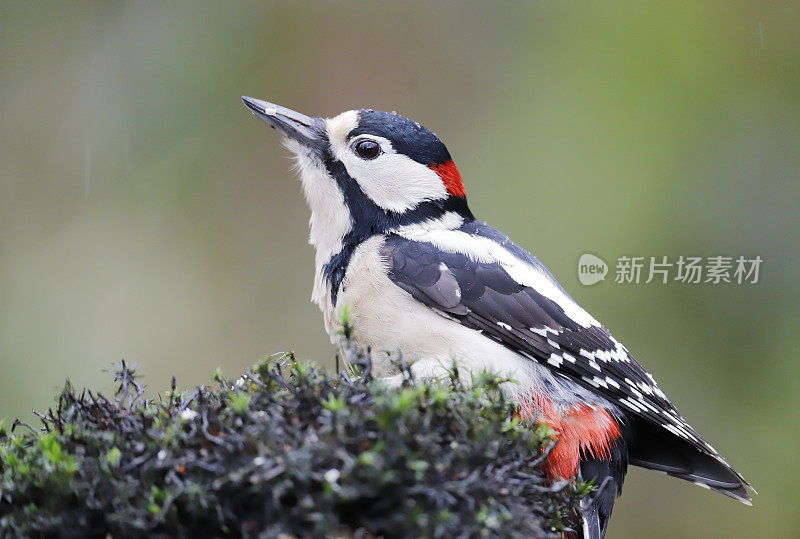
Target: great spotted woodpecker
x: 396, y: 241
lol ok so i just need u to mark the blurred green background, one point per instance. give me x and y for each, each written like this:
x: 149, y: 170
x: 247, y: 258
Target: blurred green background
x: 146, y: 215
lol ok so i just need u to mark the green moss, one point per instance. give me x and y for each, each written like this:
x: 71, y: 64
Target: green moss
x: 286, y: 449
x: 239, y: 401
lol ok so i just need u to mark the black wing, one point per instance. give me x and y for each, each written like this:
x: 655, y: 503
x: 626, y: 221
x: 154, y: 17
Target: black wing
x: 483, y: 296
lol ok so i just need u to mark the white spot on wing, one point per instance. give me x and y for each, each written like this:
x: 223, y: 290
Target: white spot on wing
x: 629, y: 405
x: 675, y: 430
x: 555, y: 360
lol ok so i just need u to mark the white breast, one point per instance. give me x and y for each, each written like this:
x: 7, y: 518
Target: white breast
x: 388, y: 319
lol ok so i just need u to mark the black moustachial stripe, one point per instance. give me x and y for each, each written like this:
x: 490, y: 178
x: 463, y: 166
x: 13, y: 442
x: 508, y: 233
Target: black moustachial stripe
x: 375, y: 220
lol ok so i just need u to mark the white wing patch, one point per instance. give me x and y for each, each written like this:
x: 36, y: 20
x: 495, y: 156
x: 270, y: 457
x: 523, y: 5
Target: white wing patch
x: 485, y: 250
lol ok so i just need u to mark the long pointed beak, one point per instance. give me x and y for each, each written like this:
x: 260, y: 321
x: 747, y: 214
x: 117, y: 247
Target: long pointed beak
x: 302, y: 128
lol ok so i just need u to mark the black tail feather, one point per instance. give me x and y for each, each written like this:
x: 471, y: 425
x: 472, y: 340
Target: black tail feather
x: 656, y: 449
x: 646, y: 444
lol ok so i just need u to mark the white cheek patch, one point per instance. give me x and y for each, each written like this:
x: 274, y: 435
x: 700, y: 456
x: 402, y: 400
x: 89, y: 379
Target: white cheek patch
x: 393, y: 181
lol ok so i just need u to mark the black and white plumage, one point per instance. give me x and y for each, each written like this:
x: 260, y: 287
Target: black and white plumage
x: 396, y: 241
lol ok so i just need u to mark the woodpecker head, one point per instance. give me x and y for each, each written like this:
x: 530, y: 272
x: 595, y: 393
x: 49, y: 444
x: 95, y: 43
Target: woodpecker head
x: 380, y: 169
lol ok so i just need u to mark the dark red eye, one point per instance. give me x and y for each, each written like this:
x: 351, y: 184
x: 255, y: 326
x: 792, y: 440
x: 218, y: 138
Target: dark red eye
x: 367, y: 149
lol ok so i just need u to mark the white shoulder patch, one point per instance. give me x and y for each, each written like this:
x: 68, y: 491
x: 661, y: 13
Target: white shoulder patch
x: 485, y: 250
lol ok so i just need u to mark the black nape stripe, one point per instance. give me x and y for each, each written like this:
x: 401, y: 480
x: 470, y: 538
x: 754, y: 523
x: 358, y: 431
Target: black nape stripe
x: 372, y: 220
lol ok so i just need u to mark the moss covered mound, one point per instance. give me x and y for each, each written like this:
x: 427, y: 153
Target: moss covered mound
x: 285, y: 449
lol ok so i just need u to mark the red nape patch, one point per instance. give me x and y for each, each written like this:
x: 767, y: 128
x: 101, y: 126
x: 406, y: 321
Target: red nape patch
x: 451, y: 177
x: 581, y: 430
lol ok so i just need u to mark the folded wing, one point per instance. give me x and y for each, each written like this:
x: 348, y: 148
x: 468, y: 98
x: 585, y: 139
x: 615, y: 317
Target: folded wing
x: 479, y: 291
